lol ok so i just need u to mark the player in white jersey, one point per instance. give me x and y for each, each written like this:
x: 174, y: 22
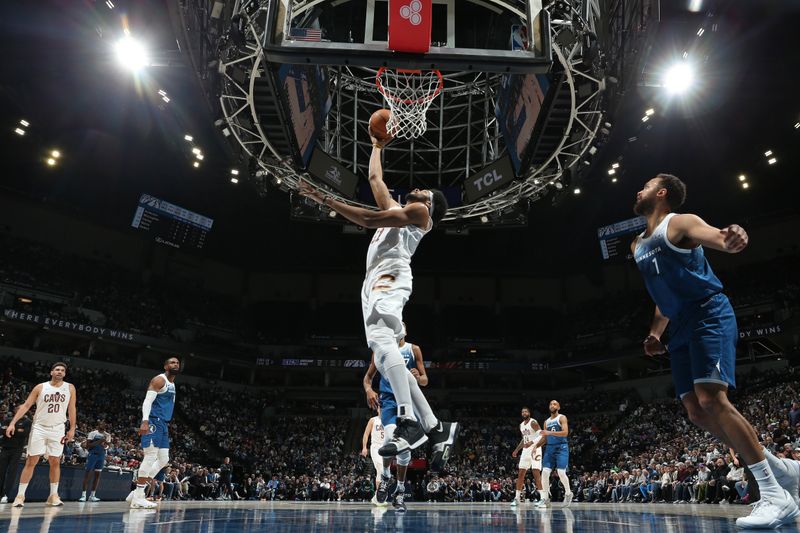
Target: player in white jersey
x: 386, y: 289
x: 55, y: 402
x: 531, y: 457
x: 375, y: 434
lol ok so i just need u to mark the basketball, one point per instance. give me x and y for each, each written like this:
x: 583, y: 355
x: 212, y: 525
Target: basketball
x: 377, y: 125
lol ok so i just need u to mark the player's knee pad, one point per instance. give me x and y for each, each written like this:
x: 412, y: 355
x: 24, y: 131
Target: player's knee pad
x: 163, y: 458
x: 149, y: 462
x: 404, y: 458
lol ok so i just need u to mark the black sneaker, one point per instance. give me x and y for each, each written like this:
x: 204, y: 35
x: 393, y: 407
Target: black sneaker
x: 383, y: 490
x: 443, y: 438
x: 399, y: 502
x: 407, y: 436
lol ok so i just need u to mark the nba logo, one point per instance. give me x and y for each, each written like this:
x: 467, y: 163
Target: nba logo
x: 410, y: 25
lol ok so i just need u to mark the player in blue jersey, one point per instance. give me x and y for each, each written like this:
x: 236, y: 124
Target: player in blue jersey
x: 386, y: 404
x: 157, y: 409
x: 96, y: 444
x: 703, y: 335
x: 556, y: 453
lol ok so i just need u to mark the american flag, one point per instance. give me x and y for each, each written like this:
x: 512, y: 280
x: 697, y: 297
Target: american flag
x: 305, y: 34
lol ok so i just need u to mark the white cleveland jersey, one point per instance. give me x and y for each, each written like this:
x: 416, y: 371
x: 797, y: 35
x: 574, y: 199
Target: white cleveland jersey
x: 393, y: 247
x: 378, y: 432
x: 51, y: 405
x: 529, y: 435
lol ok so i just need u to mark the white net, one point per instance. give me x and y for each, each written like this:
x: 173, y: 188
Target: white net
x: 409, y: 94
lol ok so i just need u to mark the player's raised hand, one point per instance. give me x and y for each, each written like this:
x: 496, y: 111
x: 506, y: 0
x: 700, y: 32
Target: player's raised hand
x: 308, y: 191
x: 372, y: 400
x: 736, y: 238
x: 653, y: 346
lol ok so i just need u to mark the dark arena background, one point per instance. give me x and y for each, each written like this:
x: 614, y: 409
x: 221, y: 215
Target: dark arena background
x: 153, y: 158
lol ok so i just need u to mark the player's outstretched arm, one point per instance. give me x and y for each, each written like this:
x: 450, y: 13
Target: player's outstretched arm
x: 731, y: 239
x: 380, y: 191
x: 30, y: 402
x: 415, y: 213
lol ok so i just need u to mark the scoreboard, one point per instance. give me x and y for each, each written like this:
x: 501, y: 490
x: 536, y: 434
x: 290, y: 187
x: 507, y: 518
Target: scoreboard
x: 171, y: 225
x: 610, y: 237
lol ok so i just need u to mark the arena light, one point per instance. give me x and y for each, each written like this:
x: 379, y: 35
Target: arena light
x: 24, y: 123
x: 679, y: 78
x: 649, y: 112
x: 196, y: 164
x: 745, y: 185
x: 700, y: 32
x: 768, y: 153
x: 200, y: 156
x: 615, y: 165
x: 51, y: 162
x: 234, y: 172
x: 188, y: 138
x: 332, y: 213
x: 613, y: 180
x: 612, y: 171
x: 55, y: 153
x: 772, y: 160
x: 742, y: 177
x: 196, y: 151
x: 797, y: 125
x: 234, y: 180
x: 110, y: 4
x: 645, y: 118
x: 576, y: 191
x: 695, y: 5
x: 484, y: 219
x: 19, y: 131
x: 131, y: 54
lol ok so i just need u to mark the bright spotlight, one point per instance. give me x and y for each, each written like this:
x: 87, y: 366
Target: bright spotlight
x: 613, y: 180
x: 768, y: 153
x: 234, y: 172
x: 649, y: 111
x: 131, y: 54
x: 234, y: 180
x: 196, y: 164
x: 745, y: 185
x: 612, y: 171
x: 576, y: 190
x: 742, y: 177
x: 615, y: 165
x: 19, y: 131
x: 56, y: 154
x: 24, y: 123
x: 679, y: 78
x: 51, y: 162
x: 772, y: 161
x: 188, y: 138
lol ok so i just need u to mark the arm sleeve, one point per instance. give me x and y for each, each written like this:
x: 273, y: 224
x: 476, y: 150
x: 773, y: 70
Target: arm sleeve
x: 148, y: 403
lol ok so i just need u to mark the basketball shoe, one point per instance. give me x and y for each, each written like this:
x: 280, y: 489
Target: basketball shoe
x: 769, y: 513
x: 382, y: 494
x: 443, y: 438
x: 408, y: 436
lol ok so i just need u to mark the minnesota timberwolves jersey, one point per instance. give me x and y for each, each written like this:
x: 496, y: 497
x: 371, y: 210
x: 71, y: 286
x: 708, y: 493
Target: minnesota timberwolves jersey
x: 164, y: 403
x: 674, y: 277
x: 554, y: 424
x: 393, y: 246
x: 408, y: 357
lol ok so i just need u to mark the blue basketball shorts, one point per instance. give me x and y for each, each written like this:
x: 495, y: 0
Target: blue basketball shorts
x: 95, y: 462
x: 158, y: 436
x: 702, y: 345
x: 556, y: 456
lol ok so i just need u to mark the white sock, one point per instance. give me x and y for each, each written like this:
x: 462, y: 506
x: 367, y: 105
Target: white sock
x: 387, y: 472
x: 421, y: 405
x: 139, y: 491
x: 53, y: 489
x: 516, y: 495
x: 396, y: 375
x: 401, y: 486
x: 767, y: 483
x: 22, y: 488
x: 562, y: 475
x: 545, y: 492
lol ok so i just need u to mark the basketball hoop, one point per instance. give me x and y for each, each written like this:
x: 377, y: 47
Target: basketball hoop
x: 409, y: 94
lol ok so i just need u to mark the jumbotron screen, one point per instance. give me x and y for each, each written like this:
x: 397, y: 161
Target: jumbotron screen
x: 171, y: 225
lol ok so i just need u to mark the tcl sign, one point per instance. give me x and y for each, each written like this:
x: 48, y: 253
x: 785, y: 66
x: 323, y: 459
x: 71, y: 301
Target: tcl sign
x: 489, y: 179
